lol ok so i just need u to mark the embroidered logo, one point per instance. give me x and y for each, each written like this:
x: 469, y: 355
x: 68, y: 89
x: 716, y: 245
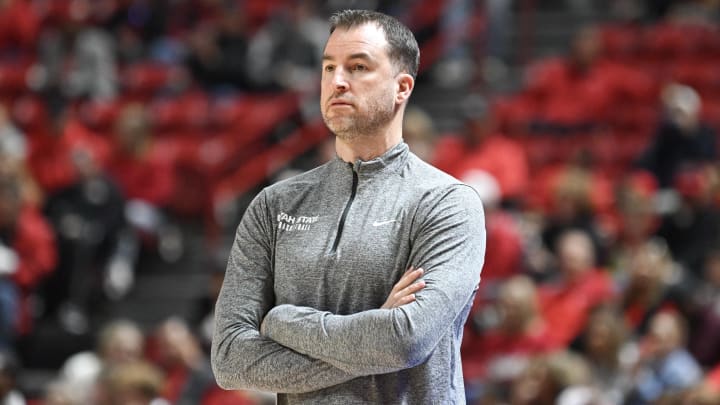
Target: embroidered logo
x: 290, y: 223
x: 381, y: 223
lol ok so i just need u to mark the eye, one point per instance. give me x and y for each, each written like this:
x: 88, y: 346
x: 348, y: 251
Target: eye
x: 359, y: 68
x: 328, y: 68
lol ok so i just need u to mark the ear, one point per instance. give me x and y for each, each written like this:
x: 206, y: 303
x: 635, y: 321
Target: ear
x: 405, y: 85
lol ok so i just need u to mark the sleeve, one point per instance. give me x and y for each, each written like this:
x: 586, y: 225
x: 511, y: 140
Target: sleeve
x: 240, y: 357
x: 450, y: 247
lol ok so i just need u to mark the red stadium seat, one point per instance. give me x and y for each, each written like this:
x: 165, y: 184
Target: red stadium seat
x: 99, y: 115
x: 266, y: 163
x: 698, y: 74
x: 621, y: 42
x: 708, y: 42
x: 513, y: 115
x: 187, y: 113
x: 30, y: 113
x: 670, y: 40
x: 13, y: 77
x: 630, y: 145
x: 148, y: 78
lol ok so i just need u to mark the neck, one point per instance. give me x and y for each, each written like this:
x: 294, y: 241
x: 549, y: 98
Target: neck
x: 369, y: 146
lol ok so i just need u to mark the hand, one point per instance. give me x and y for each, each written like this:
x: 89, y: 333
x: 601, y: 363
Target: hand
x: 404, y: 291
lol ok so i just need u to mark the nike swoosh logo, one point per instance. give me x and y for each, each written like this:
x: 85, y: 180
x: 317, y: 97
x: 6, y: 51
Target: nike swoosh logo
x: 380, y: 223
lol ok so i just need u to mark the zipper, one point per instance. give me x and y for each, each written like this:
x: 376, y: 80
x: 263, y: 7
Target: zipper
x: 341, y: 225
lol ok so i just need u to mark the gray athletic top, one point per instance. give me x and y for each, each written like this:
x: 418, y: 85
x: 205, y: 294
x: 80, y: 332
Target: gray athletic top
x: 316, y: 256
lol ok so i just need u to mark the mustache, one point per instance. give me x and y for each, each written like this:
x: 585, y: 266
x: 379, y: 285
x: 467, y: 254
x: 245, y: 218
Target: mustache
x: 339, y: 97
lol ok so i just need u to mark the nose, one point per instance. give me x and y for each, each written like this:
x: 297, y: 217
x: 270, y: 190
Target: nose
x: 339, y: 82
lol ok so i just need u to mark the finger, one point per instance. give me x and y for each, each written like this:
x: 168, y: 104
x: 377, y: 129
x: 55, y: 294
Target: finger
x: 414, y: 287
x: 409, y: 290
x: 407, y: 279
x: 404, y: 300
x: 404, y: 281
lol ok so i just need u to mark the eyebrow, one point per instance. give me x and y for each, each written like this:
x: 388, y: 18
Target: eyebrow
x: 358, y: 55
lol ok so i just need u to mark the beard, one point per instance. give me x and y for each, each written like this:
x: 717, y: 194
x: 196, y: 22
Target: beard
x: 379, y: 113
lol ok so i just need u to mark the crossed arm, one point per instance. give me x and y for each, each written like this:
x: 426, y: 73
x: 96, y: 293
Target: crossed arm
x: 302, y: 349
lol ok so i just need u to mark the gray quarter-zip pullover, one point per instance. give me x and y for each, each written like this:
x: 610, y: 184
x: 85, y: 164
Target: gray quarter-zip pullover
x: 316, y: 256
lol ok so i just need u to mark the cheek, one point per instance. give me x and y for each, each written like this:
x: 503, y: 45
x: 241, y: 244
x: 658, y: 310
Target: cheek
x: 325, y: 91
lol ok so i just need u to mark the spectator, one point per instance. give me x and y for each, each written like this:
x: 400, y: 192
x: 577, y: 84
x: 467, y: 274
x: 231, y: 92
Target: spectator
x: 14, y: 150
x: 504, y: 337
x: 419, y: 133
x: 705, y: 330
x: 89, y: 219
x: 141, y: 29
x: 217, y: 54
x: 119, y: 342
x: 575, y: 197
x: 602, y: 343
x: 681, y: 139
x: 286, y: 52
x: 647, y: 291
x: 180, y: 355
x: 503, y: 233
x: 136, y: 383
x: 665, y: 366
x: 546, y: 377
x: 692, y: 228
x: 567, y: 302
x: 635, y: 217
x: 189, y: 379
x: 27, y: 254
x: 145, y: 174
x: 481, y: 147
x: 52, y: 139
x: 76, y: 59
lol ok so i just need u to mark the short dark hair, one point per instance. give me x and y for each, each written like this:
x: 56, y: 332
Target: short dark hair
x: 403, y: 52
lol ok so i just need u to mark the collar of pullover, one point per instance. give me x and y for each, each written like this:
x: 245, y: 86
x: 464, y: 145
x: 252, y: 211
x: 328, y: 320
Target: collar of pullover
x: 392, y: 159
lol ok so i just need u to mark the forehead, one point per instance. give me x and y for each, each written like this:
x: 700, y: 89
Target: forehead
x: 367, y: 38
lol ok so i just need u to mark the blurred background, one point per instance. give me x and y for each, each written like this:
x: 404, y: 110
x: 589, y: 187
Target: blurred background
x: 133, y: 134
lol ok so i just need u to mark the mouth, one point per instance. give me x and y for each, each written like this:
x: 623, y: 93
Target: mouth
x: 340, y: 103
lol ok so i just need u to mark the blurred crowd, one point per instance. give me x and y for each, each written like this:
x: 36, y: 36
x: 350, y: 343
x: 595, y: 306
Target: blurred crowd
x: 600, y: 179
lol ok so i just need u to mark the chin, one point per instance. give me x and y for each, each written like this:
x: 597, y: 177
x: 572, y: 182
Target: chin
x: 341, y: 128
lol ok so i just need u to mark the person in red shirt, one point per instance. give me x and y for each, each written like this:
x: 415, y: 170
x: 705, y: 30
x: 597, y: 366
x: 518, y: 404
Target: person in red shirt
x: 567, y: 302
x: 27, y: 254
x: 494, y: 349
x: 139, y: 165
x: 482, y: 148
x: 144, y: 170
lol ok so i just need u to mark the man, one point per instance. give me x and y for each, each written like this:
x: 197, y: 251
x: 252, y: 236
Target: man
x: 316, y: 304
